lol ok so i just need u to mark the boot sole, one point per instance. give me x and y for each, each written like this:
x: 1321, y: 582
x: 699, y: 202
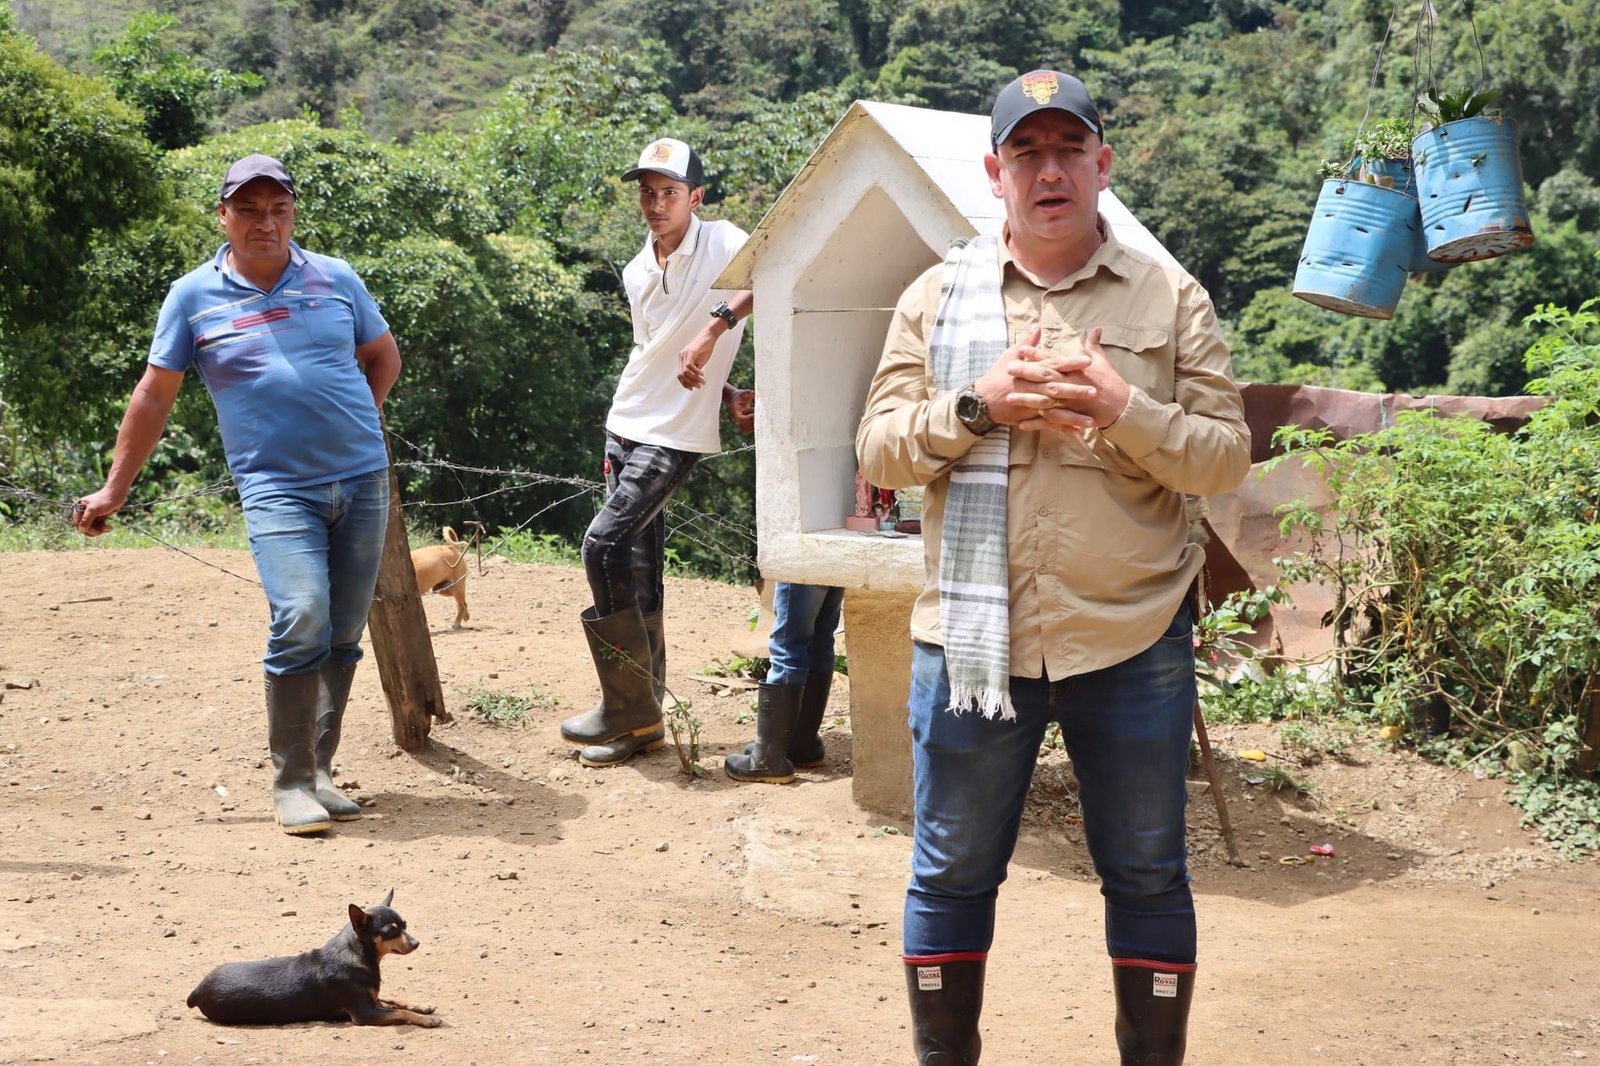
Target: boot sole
x: 306, y: 830
x: 761, y: 779
x: 649, y: 745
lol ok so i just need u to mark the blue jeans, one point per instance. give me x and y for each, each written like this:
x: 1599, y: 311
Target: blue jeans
x: 1127, y: 730
x: 625, y: 548
x: 317, y: 550
x: 805, y: 618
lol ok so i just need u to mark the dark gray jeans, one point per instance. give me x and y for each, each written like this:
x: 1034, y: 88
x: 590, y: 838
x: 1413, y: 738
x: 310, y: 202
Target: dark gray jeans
x: 624, y: 551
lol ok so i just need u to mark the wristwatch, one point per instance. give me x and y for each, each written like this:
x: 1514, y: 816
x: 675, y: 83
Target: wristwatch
x: 973, y: 411
x: 724, y: 312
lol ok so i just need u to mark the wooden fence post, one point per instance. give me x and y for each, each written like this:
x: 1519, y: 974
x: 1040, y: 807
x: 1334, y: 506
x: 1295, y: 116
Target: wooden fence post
x: 400, y: 640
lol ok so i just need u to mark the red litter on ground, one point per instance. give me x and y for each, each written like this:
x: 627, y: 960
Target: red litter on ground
x: 1321, y: 849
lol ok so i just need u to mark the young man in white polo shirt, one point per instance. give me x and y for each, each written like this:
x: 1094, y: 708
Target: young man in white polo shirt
x: 662, y: 421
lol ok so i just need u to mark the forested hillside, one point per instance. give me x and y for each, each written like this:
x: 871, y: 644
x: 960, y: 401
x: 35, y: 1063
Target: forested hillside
x: 463, y: 153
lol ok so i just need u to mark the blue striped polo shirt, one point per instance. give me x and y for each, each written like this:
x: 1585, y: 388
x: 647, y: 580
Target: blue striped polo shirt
x: 292, y: 403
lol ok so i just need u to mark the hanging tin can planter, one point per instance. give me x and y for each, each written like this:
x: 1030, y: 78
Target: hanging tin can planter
x: 1390, y: 173
x: 1359, y: 249
x: 1469, y: 183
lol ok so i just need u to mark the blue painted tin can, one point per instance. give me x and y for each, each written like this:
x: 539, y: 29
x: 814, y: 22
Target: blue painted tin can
x: 1391, y: 173
x: 1469, y: 183
x: 1358, y: 249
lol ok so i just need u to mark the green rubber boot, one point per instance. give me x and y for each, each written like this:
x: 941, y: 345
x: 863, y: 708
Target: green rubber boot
x: 628, y: 717
x: 291, y: 736
x: 333, y: 695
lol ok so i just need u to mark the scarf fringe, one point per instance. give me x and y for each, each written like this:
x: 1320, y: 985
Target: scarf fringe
x: 987, y: 701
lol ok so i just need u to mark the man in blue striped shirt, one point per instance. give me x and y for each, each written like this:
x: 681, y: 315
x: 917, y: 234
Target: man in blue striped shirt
x: 297, y: 359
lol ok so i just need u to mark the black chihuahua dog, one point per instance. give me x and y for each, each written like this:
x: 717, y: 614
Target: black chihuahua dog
x: 336, y: 981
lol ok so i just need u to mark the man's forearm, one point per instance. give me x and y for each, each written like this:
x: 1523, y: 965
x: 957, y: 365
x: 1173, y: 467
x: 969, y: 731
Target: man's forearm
x: 137, y: 437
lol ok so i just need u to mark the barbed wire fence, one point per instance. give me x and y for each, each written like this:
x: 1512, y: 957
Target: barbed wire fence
x: 715, y: 534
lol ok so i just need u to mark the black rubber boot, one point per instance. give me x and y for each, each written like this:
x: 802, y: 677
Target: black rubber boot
x: 291, y: 736
x: 806, y: 750
x: 628, y: 710
x: 1152, y: 1012
x: 946, y: 1000
x: 805, y: 747
x: 767, y: 760
x: 655, y: 630
x: 332, y: 696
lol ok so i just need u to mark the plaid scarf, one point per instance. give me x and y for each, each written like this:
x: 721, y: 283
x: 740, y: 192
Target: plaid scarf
x: 969, y: 333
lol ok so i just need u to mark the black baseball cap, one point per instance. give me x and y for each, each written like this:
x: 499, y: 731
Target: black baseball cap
x: 672, y: 158
x: 252, y: 167
x: 1040, y: 90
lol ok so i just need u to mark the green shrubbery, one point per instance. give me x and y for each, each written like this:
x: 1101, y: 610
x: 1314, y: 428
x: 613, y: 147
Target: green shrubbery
x: 1465, y: 566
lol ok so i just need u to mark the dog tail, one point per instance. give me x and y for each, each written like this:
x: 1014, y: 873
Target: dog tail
x: 450, y: 536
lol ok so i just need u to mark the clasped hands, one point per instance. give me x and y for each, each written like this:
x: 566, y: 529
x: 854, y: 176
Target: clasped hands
x: 1034, y: 388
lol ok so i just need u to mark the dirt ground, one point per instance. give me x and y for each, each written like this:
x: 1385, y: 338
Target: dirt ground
x: 570, y: 915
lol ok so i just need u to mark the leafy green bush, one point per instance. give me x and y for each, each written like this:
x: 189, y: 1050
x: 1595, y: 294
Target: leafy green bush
x: 1465, y: 565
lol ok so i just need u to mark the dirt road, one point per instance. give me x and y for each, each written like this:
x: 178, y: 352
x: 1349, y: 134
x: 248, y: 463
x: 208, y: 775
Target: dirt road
x: 570, y: 915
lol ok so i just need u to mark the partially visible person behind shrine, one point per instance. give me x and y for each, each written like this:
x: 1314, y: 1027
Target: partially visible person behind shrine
x: 794, y: 697
x: 661, y: 422
x: 1057, y: 393
x: 297, y: 359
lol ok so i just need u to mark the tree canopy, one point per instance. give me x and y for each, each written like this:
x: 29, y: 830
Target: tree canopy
x: 465, y: 157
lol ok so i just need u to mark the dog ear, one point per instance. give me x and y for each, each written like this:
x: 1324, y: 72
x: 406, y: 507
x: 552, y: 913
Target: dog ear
x: 387, y: 899
x: 358, y: 917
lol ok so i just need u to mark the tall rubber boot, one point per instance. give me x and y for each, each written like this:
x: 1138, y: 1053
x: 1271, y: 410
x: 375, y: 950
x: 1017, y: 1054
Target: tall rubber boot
x: 946, y: 999
x: 767, y: 760
x: 621, y: 750
x: 1152, y: 1010
x: 655, y: 629
x: 628, y: 717
x: 806, y: 750
x: 805, y: 747
x: 291, y: 729
x: 332, y: 696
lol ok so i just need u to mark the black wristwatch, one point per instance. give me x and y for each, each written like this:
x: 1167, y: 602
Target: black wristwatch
x: 973, y: 411
x: 724, y: 312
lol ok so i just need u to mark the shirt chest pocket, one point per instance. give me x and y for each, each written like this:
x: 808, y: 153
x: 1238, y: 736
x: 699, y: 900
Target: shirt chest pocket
x: 328, y: 323
x: 1144, y: 358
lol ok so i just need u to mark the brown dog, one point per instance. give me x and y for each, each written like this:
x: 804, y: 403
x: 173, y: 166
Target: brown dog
x: 442, y: 568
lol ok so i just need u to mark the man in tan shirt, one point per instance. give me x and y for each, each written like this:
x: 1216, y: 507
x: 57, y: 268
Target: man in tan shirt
x: 1058, y: 394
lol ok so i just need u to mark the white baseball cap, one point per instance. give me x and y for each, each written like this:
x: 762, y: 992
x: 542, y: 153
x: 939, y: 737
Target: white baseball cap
x: 672, y: 158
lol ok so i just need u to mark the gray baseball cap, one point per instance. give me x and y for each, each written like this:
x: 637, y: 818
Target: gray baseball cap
x: 252, y: 167
x: 1040, y: 90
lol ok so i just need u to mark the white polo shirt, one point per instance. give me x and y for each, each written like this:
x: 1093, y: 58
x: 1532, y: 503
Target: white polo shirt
x: 669, y: 307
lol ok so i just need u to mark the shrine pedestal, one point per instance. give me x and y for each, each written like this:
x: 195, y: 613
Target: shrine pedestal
x: 877, y: 641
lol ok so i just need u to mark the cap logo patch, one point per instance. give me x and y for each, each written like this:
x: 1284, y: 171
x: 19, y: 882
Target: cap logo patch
x: 660, y: 152
x: 1041, y: 86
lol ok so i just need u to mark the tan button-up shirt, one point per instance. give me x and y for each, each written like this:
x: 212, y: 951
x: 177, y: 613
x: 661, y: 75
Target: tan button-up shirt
x: 1097, y: 535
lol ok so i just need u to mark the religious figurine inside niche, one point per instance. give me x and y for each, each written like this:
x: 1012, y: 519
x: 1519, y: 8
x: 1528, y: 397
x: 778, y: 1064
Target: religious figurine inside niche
x: 865, y: 518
